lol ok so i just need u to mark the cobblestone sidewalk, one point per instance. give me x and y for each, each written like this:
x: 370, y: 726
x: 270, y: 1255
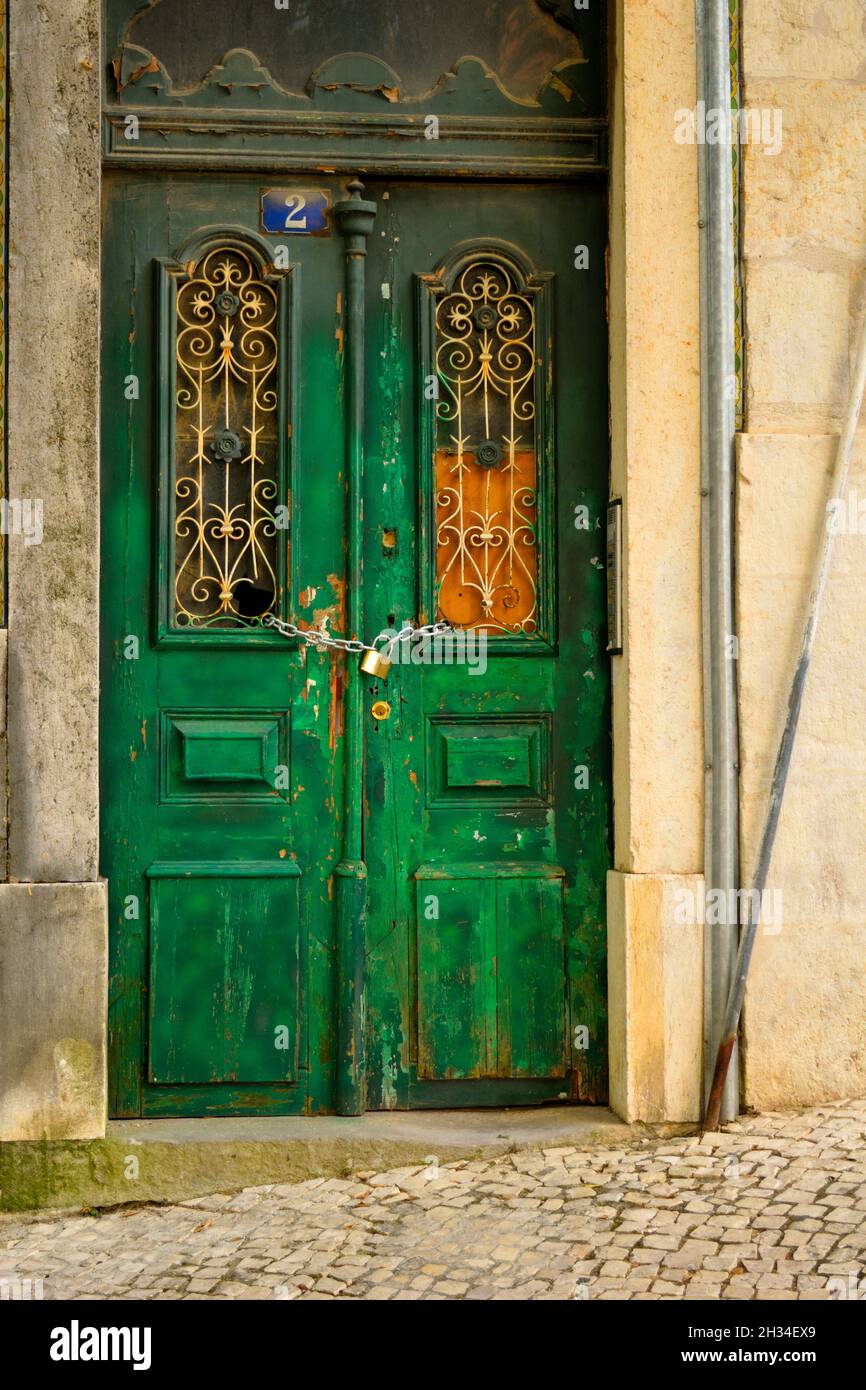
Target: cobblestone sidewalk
x: 773, y: 1208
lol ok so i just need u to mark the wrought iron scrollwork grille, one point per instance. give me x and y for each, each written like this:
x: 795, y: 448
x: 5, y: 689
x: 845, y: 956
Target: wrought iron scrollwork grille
x: 226, y: 448
x: 486, y: 453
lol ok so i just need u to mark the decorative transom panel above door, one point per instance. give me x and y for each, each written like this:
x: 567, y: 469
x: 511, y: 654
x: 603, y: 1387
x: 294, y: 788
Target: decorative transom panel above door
x: 507, y: 87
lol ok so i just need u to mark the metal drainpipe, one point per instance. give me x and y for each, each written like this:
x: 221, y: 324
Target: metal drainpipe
x: 718, y: 396
x: 355, y: 216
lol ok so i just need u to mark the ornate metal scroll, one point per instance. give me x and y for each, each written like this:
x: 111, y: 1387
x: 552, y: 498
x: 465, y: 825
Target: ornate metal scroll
x: 486, y: 454
x: 226, y: 449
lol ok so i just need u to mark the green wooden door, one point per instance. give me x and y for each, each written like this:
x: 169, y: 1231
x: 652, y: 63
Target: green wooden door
x: 487, y: 787
x: 485, y: 808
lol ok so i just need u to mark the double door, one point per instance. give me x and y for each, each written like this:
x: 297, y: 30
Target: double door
x: 459, y: 345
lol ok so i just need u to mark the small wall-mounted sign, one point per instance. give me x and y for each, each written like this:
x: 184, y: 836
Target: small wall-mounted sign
x: 296, y: 211
x: 614, y: 576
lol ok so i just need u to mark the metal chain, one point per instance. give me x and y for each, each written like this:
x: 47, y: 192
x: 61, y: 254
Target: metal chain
x: 314, y: 637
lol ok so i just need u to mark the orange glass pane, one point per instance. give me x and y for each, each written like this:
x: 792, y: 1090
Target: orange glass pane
x: 486, y: 467
x: 486, y: 551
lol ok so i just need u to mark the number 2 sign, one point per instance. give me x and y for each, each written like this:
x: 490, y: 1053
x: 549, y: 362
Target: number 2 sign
x: 296, y: 211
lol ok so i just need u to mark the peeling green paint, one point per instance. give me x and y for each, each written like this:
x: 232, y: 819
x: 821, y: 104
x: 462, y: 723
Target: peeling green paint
x: 542, y: 711
x: 453, y: 1051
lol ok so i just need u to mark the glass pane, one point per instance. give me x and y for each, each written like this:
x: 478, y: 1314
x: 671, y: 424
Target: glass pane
x: 520, y: 40
x: 226, y: 451
x: 486, y: 458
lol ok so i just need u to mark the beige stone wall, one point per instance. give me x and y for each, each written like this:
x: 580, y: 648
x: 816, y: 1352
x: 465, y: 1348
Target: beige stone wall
x: 656, y: 443
x: 805, y: 269
x: 655, y: 988
x: 655, y: 968
x: 805, y: 286
x: 53, y: 972
x: 53, y: 1039
x: 3, y: 753
x: 53, y: 434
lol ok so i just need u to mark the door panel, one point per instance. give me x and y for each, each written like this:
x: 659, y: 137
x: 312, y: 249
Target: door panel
x: 223, y: 974
x: 491, y: 976
x: 487, y: 830
x: 220, y: 751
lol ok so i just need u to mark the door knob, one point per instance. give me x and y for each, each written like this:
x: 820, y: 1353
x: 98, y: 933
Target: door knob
x: 381, y: 710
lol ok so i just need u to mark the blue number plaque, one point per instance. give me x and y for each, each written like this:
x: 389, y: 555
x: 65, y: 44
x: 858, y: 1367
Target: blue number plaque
x: 296, y: 212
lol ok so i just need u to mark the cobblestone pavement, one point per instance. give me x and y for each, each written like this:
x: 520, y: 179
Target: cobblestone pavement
x: 773, y: 1208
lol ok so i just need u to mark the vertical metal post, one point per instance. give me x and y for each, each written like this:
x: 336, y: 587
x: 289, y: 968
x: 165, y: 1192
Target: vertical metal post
x: 718, y: 399
x: 355, y: 219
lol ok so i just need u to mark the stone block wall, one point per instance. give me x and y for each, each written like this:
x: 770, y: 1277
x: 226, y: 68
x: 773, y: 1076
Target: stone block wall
x: 804, y: 229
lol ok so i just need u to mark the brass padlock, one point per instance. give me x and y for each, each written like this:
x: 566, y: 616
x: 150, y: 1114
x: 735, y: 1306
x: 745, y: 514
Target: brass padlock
x: 375, y: 664
x: 381, y: 710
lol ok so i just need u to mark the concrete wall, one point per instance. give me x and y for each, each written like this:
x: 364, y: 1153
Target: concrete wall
x: 52, y: 909
x: 805, y: 267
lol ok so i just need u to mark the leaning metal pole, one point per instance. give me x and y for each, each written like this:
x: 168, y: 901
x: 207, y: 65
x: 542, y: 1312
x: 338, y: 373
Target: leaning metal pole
x: 718, y: 395
x: 355, y: 218
x: 789, y: 733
